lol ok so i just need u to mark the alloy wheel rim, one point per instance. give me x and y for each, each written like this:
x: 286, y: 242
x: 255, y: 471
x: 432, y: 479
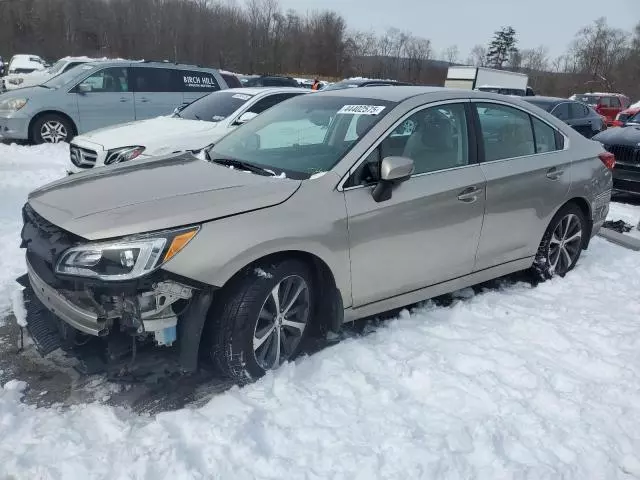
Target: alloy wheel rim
x: 565, y: 244
x: 281, y: 322
x: 53, y: 132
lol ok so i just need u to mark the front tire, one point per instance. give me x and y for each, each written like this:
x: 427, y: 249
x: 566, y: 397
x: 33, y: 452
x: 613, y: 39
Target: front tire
x: 263, y: 320
x: 562, y: 243
x: 52, y: 128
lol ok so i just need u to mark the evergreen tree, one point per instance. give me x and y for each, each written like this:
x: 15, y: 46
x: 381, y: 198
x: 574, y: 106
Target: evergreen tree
x: 502, y: 48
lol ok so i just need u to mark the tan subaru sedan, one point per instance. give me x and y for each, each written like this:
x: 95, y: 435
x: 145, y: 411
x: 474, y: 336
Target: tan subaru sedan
x: 326, y: 208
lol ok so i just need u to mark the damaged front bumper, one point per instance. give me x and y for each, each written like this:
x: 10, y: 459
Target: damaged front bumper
x: 83, y: 320
x: 157, y: 309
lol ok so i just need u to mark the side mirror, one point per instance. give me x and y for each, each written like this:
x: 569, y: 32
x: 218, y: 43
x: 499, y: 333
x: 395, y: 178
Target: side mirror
x: 85, y: 88
x: 245, y: 117
x: 179, y: 108
x: 393, y: 170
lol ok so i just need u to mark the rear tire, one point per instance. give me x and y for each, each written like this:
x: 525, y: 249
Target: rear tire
x: 52, y: 128
x: 262, y: 320
x: 562, y: 243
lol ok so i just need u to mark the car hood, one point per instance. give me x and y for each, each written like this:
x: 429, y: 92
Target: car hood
x: 629, y: 135
x: 25, y: 92
x: 156, y: 133
x: 154, y: 194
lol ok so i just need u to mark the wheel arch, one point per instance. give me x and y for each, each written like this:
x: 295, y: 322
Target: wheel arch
x: 41, y: 114
x: 585, y: 207
x: 323, y: 277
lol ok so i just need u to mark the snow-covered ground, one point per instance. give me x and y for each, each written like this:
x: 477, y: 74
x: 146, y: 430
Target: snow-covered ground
x: 22, y: 169
x: 628, y: 213
x: 519, y: 382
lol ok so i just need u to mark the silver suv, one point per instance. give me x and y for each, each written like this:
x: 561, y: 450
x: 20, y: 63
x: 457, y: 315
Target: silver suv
x: 324, y: 209
x: 100, y: 94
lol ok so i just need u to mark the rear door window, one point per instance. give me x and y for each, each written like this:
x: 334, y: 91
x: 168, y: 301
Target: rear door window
x: 154, y: 80
x: 197, y: 81
x: 545, y: 136
x: 506, y: 132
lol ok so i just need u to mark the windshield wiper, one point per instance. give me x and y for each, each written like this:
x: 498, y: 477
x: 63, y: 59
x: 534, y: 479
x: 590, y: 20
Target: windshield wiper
x: 250, y: 167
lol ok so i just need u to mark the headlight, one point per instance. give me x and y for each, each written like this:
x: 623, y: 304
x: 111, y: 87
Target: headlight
x: 125, y: 259
x: 16, y: 81
x: 123, y: 154
x: 12, y: 104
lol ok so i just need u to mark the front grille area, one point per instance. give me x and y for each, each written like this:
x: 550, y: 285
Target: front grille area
x: 82, y: 157
x: 44, y: 243
x: 625, y: 154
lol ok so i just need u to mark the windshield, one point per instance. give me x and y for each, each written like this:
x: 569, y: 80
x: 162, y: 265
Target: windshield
x: 59, y: 65
x: 214, y: 107
x: 634, y: 119
x: 68, y: 76
x: 302, y: 136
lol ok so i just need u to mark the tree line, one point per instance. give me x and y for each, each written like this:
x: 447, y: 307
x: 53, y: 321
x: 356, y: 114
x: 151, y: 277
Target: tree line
x: 259, y: 37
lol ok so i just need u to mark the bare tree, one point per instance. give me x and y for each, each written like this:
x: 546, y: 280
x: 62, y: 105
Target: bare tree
x: 478, y: 56
x: 451, y: 54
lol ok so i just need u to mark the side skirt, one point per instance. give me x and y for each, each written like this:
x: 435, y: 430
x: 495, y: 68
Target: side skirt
x: 352, y: 314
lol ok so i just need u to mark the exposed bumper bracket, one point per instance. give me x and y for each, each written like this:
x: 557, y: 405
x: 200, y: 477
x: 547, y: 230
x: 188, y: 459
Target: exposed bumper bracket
x: 80, y: 319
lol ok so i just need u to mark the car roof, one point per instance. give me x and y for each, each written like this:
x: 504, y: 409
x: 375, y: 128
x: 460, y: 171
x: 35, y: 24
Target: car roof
x: 549, y: 99
x: 388, y: 93
x: 401, y: 93
x: 122, y: 62
x: 364, y: 81
x: 266, y: 90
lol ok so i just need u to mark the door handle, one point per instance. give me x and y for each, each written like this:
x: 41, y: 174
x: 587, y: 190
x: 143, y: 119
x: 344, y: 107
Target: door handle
x: 554, y: 173
x: 469, y: 195
x: 123, y: 99
x: 144, y: 100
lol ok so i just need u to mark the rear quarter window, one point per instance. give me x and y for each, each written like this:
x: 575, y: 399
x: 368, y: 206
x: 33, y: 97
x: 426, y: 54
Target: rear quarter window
x: 195, y: 81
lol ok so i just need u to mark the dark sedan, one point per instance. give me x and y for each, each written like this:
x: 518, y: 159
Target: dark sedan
x: 581, y: 117
x: 624, y: 143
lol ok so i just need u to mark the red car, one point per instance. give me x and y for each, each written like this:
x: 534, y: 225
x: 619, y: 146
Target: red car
x: 609, y: 105
x: 624, y: 115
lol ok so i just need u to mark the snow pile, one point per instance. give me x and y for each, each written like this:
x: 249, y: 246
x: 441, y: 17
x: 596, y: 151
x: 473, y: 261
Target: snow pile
x: 22, y: 169
x: 523, y: 382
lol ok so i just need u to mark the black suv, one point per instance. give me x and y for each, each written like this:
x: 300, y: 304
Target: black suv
x: 271, y: 81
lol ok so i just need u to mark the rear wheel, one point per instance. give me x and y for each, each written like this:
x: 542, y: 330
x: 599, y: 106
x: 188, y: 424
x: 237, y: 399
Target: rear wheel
x: 562, y: 243
x: 264, y: 318
x: 52, y: 128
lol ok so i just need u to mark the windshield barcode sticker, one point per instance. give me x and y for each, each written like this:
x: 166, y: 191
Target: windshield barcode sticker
x: 241, y: 96
x: 361, y: 109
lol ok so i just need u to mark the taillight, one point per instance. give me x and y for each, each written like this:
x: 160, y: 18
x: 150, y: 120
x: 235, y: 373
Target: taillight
x: 608, y: 159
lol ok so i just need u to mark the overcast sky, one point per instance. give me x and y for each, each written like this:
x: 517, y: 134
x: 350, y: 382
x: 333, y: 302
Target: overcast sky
x: 468, y: 22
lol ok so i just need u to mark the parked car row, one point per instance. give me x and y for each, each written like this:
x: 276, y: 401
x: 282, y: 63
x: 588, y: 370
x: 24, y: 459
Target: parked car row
x: 325, y: 208
x: 98, y: 94
x: 192, y: 128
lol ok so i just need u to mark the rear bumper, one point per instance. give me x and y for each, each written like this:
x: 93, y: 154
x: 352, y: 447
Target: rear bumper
x: 83, y: 320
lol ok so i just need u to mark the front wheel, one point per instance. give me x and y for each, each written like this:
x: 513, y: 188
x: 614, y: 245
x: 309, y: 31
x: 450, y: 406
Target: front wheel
x: 562, y: 243
x: 52, y: 128
x: 264, y: 317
